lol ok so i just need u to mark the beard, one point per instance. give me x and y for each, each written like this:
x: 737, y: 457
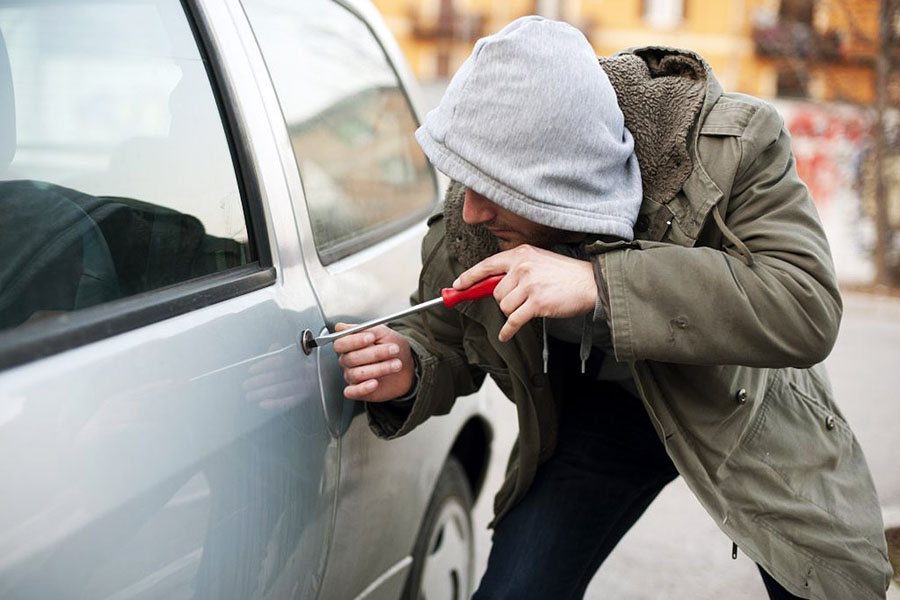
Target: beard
x: 509, y: 236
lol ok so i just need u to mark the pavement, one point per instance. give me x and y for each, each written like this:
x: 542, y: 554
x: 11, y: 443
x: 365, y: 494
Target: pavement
x: 675, y: 550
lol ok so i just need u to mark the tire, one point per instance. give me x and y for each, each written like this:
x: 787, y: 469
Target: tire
x: 444, y: 552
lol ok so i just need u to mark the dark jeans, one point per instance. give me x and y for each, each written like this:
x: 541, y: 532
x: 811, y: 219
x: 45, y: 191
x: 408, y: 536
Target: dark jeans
x: 608, y: 466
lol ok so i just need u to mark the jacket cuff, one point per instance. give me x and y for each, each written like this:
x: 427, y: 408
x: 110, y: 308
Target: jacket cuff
x: 407, y: 399
x: 613, y: 296
x: 398, y: 417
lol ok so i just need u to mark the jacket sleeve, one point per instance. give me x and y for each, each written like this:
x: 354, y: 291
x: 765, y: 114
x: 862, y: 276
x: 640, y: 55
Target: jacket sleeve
x: 702, y: 305
x: 444, y: 373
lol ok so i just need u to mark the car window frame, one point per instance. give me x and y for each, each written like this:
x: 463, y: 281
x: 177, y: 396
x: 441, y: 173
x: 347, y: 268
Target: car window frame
x: 56, y: 334
x: 362, y: 241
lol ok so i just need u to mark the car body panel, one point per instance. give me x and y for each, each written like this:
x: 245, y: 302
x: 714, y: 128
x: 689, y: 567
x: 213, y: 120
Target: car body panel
x: 367, y: 284
x: 150, y: 452
x: 104, y: 463
x: 160, y: 462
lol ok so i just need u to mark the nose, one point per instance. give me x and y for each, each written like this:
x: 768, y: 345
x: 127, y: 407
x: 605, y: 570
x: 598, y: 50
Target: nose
x: 477, y: 208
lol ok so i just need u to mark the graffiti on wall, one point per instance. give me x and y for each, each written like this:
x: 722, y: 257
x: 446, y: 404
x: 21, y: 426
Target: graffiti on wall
x: 829, y: 143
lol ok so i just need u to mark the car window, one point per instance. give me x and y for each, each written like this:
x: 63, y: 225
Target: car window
x: 349, y: 121
x: 116, y: 176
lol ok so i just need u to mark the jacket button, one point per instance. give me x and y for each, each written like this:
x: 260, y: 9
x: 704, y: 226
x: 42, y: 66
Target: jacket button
x: 642, y: 224
x: 538, y: 380
x: 829, y: 422
x: 741, y: 396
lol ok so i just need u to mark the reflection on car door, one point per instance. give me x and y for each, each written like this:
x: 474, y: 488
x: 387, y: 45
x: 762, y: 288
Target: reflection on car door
x: 188, y: 455
x: 366, y: 189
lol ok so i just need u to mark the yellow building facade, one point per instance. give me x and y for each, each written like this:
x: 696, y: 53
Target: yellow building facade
x: 818, y: 49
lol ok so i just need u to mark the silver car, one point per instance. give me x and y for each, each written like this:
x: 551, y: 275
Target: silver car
x: 185, y: 187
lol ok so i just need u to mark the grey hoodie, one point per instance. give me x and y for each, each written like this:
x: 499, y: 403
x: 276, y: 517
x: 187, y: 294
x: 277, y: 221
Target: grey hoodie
x: 531, y: 122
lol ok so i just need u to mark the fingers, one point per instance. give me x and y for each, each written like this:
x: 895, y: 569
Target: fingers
x: 513, y: 297
x: 537, y: 283
x: 264, y: 379
x: 377, y: 364
x: 368, y: 354
x: 510, y: 300
x: 367, y: 337
x: 270, y: 363
x: 272, y: 383
x: 510, y: 295
x: 358, y: 375
x: 362, y: 358
x: 497, y: 264
x: 275, y: 397
x: 362, y: 391
x: 516, y: 320
x: 354, y: 341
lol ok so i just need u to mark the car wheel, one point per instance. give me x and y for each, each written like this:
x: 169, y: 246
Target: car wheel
x: 444, y: 553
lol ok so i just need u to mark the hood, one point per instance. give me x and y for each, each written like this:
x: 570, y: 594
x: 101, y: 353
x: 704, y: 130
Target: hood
x: 662, y: 93
x: 531, y: 123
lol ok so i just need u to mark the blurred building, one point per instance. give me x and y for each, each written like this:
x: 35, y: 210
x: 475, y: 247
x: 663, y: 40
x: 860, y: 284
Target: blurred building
x: 817, y: 58
x: 817, y: 49
x: 822, y: 49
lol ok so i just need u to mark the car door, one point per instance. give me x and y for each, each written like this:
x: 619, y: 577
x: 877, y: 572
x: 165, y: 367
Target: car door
x: 355, y: 170
x: 161, y: 433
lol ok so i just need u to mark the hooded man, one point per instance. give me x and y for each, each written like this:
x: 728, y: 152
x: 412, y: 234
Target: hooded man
x: 668, y: 297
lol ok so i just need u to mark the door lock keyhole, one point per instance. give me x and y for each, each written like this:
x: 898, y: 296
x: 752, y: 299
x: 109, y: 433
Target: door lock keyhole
x: 307, y: 341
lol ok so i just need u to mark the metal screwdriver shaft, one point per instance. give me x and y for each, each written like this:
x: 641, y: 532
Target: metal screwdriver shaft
x: 330, y: 337
x: 449, y: 298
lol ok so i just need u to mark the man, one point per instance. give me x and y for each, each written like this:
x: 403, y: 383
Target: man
x: 667, y: 300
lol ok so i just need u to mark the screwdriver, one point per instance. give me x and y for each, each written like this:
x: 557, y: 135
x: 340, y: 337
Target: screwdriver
x: 449, y: 298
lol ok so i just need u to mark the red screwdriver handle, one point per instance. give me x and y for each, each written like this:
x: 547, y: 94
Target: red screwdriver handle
x: 483, y: 288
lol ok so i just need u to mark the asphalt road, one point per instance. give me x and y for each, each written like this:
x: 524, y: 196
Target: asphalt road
x: 676, y: 550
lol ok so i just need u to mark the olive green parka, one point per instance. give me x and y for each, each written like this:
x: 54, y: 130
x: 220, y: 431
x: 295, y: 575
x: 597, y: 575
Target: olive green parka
x: 724, y: 306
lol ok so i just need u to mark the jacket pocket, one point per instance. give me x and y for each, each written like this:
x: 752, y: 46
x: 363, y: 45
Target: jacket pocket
x: 809, y: 447
x: 805, y: 492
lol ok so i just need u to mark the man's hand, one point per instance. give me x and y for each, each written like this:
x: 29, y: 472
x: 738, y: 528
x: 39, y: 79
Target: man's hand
x: 377, y: 363
x: 538, y: 283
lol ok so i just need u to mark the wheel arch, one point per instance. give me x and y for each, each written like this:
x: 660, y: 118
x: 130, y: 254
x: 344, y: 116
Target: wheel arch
x: 472, y: 448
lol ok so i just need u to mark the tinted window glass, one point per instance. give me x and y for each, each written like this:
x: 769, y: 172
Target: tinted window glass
x: 115, y: 173
x: 350, y: 124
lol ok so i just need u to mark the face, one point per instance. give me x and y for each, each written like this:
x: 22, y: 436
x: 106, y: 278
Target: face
x: 510, y: 229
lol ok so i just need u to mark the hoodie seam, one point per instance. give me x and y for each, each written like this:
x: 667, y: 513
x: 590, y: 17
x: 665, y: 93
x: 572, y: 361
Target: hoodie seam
x: 462, y: 92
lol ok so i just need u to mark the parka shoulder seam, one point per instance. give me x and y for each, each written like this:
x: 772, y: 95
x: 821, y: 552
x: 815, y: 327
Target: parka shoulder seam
x: 729, y: 116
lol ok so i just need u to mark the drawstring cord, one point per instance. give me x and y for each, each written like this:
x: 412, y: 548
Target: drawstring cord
x: 587, y: 342
x: 587, y: 330
x: 587, y: 334
x: 743, y: 251
x: 545, y: 353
